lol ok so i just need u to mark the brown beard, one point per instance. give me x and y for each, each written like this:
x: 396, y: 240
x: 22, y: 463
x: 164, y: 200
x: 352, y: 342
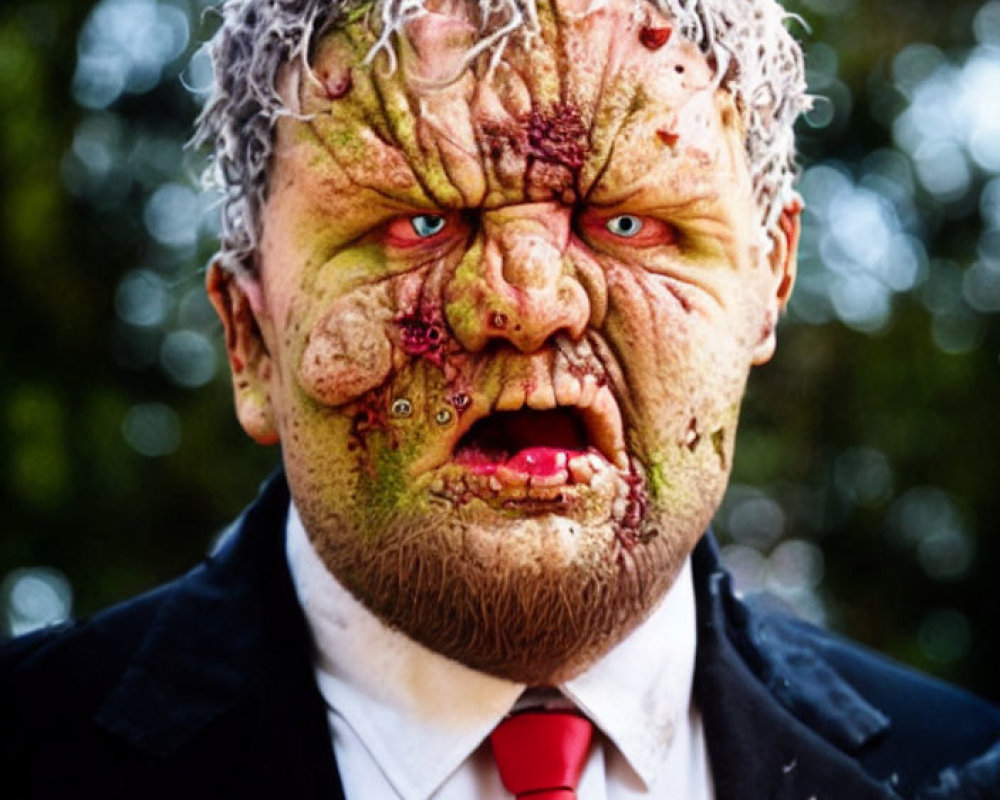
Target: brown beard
x: 536, y: 623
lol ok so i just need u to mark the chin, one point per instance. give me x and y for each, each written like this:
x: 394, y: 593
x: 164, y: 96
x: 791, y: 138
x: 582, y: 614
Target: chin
x: 534, y: 598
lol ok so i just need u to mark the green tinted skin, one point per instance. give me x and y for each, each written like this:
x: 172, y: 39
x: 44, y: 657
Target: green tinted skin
x: 589, y: 197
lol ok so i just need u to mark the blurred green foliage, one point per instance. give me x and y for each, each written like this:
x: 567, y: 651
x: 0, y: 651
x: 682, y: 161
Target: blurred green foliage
x: 865, y: 485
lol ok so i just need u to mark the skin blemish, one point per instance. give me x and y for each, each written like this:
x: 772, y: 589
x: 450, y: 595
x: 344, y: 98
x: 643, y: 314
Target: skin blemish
x: 401, y: 407
x: 557, y: 136
x: 669, y: 138
x: 693, y: 436
x: 369, y: 416
x: 629, y: 528
x: 337, y: 86
x: 498, y: 320
x: 719, y: 445
x: 501, y: 137
x: 654, y: 38
x: 460, y: 401
x: 422, y: 334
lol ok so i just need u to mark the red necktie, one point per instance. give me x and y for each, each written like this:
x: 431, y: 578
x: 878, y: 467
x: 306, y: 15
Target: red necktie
x: 540, y: 754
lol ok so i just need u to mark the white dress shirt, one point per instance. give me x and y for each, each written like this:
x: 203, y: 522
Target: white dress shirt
x: 409, y: 723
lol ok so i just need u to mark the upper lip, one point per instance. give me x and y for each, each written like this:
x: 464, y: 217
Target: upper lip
x: 591, y: 400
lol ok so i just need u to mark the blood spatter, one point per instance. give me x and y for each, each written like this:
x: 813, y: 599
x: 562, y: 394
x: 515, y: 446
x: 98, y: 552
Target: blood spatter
x: 654, y: 38
x: 422, y: 334
x: 669, y: 138
x: 556, y: 135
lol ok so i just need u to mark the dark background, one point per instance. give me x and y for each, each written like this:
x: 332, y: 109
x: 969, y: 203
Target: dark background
x: 865, y: 490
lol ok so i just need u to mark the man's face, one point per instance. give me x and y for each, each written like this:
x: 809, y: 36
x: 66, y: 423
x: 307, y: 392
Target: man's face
x: 502, y: 325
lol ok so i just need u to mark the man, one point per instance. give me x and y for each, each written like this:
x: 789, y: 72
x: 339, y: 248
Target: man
x: 494, y: 275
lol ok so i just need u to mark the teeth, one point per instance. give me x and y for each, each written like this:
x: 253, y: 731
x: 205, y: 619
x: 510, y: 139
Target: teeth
x: 510, y: 477
x: 542, y: 396
x: 581, y: 469
x: 587, y: 391
x: 618, y: 507
x: 561, y: 459
x: 511, y: 397
x: 495, y: 484
x: 604, y: 423
x: 568, y: 389
x: 559, y: 478
x: 546, y: 492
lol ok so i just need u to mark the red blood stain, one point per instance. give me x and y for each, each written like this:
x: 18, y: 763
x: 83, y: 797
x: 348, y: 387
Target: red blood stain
x: 369, y: 415
x: 654, y: 38
x: 422, y: 333
x: 669, y: 138
x: 629, y: 533
x: 556, y: 135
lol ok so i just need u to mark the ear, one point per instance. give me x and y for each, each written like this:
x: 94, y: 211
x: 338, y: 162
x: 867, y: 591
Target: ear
x: 783, y: 263
x: 249, y: 360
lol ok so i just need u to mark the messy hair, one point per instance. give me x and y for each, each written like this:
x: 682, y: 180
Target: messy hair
x: 746, y: 42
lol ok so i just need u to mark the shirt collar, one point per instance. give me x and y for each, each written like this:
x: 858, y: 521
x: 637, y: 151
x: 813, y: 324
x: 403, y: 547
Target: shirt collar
x: 420, y: 715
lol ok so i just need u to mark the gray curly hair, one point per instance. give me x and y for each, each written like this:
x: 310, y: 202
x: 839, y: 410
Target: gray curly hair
x: 747, y: 42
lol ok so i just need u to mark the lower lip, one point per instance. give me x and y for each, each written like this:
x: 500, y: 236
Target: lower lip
x: 536, y: 462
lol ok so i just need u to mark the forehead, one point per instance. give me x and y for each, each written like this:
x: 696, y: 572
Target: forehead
x: 604, y: 102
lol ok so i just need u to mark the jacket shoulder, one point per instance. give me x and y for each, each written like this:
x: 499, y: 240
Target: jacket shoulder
x: 54, y: 681
x: 930, y: 726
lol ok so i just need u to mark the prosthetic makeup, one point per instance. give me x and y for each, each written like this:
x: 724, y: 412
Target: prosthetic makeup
x: 502, y: 321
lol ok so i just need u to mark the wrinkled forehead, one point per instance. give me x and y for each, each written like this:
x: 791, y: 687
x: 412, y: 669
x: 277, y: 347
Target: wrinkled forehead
x: 597, y: 99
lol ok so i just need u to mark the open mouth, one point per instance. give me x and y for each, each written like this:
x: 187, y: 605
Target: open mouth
x: 541, y: 447
x: 529, y: 443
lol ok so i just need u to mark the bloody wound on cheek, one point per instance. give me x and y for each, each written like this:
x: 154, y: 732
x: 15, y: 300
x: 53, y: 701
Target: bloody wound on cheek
x: 422, y: 334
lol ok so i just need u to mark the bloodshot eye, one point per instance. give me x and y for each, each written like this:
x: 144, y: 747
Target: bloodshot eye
x: 624, y: 225
x: 427, y: 225
x: 627, y: 230
x: 411, y: 231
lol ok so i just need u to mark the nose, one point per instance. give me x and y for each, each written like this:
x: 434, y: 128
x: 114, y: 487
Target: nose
x: 516, y: 282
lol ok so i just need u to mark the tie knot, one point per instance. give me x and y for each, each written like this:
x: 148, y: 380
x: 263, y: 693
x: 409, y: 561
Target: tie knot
x: 540, y: 754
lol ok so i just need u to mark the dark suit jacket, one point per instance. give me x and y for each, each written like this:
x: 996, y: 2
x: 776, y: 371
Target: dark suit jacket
x: 204, y: 688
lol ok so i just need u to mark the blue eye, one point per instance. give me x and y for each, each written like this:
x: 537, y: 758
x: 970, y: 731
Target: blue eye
x: 426, y: 225
x: 624, y: 225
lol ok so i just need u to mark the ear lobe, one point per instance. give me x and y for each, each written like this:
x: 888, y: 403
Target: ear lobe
x: 783, y: 262
x: 232, y: 297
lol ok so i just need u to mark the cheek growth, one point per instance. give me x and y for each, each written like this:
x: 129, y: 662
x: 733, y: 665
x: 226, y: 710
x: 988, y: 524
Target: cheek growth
x: 348, y: 353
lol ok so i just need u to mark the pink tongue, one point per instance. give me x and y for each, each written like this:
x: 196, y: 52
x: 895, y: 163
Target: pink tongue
x: 540, y: 461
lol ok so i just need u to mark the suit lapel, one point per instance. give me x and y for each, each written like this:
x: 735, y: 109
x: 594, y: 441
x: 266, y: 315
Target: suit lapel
x: 758, y: 747
x: 229, y: 656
